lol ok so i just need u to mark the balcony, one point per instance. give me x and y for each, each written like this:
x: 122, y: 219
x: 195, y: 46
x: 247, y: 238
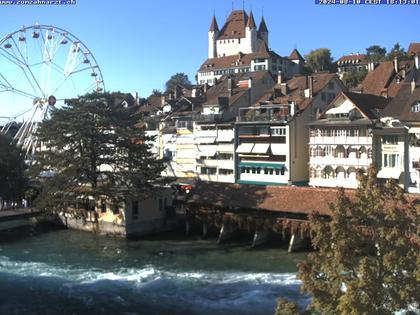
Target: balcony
x: 340, y: 140
x: 330, y: 160
x: 275, y: 113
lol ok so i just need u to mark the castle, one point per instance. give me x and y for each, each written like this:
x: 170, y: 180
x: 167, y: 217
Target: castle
x: 242, y: 47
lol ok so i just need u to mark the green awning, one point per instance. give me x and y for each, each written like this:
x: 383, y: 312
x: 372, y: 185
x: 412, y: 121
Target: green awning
x: 262, y: 165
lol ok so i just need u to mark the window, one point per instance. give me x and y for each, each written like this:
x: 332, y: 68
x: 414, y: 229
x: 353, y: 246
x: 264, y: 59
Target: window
x: 275, y: 131
x: 184, y: 124
x: 116, y: 209
x: 282, y: 171
x: 415, y: 108
x: 223, y: 171
x: 391, y: 160
x: 103, y: 206
x: 135, y: 209
x: 390, y: 139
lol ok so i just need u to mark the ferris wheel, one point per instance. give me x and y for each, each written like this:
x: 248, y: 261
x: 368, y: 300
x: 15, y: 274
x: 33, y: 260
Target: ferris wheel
x: 40, y: 67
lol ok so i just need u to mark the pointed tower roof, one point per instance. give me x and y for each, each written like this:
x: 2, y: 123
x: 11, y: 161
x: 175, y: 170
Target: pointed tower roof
x: 295, y: 55
x: 263, y: 27
x: 214, y: 27
x: 251, y: 23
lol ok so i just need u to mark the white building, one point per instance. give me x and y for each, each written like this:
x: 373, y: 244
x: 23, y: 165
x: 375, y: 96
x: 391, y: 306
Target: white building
x: 400, y: 156
x: 341, y: 140
x: 240, y: 47
x: 272, y: 136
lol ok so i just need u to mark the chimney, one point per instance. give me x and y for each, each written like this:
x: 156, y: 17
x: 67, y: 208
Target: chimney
x: 396, y: 64
x: 280, y: 77
x: 250, y: 83
x: 230, y: 86
x: 176, y: 92
x: 194, y: 92
x: 413, y: 85
x: 292, y: 109
x: 162, y: 100
x: 371, y: 66
x: 311, y: 86
x: 416, y: 61
x: 284, y: 88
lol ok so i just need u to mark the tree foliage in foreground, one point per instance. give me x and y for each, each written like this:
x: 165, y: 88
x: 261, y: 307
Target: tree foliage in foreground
x: 368, y: 254
x: 12, y: 171
x: 94, y: 148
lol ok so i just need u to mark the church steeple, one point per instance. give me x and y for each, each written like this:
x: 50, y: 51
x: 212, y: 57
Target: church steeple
x: 214, y: 27
x: 251, y: 23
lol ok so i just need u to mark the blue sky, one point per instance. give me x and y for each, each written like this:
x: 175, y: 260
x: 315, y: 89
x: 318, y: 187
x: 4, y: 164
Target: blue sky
x: 139, y: 44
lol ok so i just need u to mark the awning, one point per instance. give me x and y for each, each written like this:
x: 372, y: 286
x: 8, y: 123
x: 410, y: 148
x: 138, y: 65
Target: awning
x: 209, y: 151
x: 277, y: 149
x: 262, y: 165
x: 389, y: 172
x: 414, y: 130
x: 225, y: 137
x: 261, y: 148
x: 205, y: 140
x: 245, y: 148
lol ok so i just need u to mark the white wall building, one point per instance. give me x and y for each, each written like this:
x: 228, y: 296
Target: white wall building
x: 341, y: 141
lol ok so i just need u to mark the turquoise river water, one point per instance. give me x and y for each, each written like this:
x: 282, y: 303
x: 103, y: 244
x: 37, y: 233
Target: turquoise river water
x: 45, y: 270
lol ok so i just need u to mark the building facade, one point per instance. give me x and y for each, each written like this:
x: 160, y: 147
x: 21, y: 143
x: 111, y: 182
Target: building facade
x: 341, y: 141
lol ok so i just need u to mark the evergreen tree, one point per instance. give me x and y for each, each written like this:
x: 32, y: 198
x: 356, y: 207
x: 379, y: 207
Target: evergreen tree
x: 376, y: 53
x: 178, y: 78
x: 368, y: 258
x: 12, y: 171
x: 397, y: 51
x: 92, y: 148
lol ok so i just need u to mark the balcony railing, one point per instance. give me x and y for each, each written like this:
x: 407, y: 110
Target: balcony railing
x: 279, y: 113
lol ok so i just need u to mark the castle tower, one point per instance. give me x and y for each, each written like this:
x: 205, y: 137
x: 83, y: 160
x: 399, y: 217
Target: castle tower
x: 251, y: 34
x: 263, y: 31
x: 213, y: 34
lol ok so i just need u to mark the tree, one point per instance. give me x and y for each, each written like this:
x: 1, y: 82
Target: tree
x: 178, y: 78
x: 397, y: 51
x: 368, y: 259
x: 376, y: 53
x: 354, y: 78
x: 93, y: 148
x: 319, y: 59
x: 156, y: 92
x: 12, y: 171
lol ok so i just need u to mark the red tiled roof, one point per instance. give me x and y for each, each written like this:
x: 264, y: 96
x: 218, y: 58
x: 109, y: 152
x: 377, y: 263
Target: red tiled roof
x: 303, y: 200
x: 294, y: 55
x: 384, y: 80
x: 413, y: 49
x: 234, y: 26
x: 251, y: 23
x: 239, y: 60
x: 378, y: 79
x: 353, y: 57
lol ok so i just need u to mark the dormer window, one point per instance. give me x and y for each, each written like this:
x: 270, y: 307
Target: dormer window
x: 415, y: 108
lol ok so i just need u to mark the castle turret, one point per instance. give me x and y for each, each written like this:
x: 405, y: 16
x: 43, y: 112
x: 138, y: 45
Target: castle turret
x: 251, y: 33
x: 263, y: 31
x: 213, y: 34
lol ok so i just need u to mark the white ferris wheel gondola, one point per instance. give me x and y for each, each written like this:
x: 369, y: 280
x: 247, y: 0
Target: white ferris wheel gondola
x: 40, y: 67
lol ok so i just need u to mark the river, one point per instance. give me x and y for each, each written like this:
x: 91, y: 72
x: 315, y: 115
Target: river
x: 46, y: 270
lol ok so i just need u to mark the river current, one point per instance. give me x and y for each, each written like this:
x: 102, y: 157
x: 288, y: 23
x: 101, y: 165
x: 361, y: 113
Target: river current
x: 55, y: 271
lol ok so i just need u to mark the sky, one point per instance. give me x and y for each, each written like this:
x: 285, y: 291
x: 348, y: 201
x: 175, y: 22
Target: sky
x: 139, y: 44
